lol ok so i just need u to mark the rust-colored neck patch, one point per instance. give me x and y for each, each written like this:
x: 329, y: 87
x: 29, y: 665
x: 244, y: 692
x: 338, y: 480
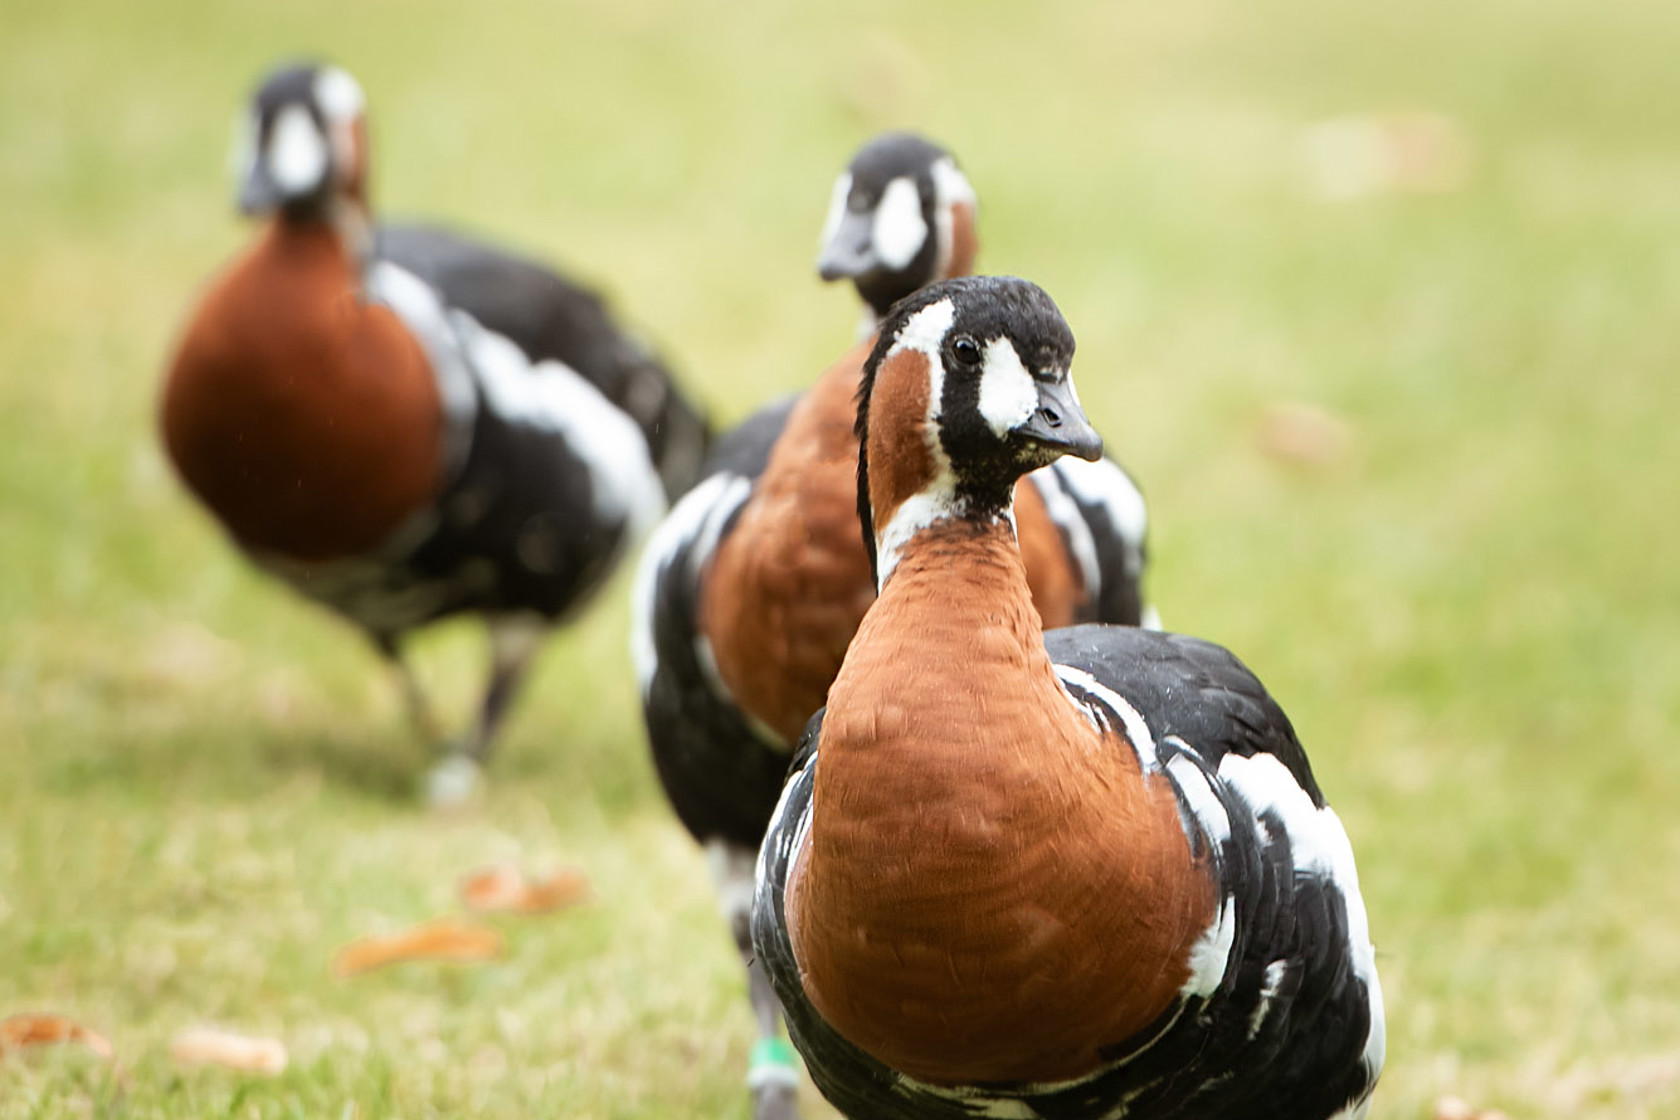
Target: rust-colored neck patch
x: 991, y: 890
x: 901, y: 457
x: 308, y: 421
x: 964, y: 241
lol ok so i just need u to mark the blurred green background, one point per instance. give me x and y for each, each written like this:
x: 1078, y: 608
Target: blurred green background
x: 1401, y: 390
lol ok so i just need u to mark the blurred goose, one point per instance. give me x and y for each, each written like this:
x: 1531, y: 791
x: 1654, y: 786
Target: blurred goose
x: 1070, y: 875
x: 753, y: 586
x: 402, y: 437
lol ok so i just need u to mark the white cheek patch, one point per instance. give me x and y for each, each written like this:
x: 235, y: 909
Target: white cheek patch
x: 900, y: 229
x: 1008, y: 395
x: 836, y: 207
x: 297, y: 152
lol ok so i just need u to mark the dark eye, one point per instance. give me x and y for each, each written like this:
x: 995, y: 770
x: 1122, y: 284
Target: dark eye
x: 966, y: 350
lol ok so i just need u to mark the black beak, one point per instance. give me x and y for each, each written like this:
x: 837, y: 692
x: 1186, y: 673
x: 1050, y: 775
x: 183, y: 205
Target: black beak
x: 850, y: 253
x: 259, y: 194
x: 1059, y: 424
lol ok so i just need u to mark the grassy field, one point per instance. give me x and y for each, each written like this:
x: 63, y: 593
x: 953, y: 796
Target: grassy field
x: 1472, y: 613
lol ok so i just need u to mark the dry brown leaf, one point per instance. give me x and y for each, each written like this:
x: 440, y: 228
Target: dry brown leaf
x: 22, y: 1031
x: 211, y: 1046
x: 1304, y: 434
x: 1401, y: 152
x: 1456, y: 1108
x: 505, y: 889
x: 447, y: 939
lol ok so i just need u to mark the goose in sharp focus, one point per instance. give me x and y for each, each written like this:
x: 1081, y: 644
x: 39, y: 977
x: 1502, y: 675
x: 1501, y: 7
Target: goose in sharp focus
x: 1069, y: 875
x: 752, y: 588
x: 401, y: 453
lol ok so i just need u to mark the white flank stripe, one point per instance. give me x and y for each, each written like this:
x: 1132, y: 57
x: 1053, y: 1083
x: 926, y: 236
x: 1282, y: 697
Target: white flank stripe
x: 1210, y: 956
x: 624, y: 484
x: 1064, y: 511
x: 1320, y: 847
x: 1204, y: 803
x: 698, y: 517
x: 1104, y: 484
x: 1131, y: 720
x: 1268, y: 992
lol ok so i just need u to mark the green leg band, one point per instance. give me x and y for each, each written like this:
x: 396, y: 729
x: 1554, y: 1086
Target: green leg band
x: 773, y: 1062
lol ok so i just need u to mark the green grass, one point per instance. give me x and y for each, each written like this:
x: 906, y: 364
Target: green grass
x: 1474, y: 618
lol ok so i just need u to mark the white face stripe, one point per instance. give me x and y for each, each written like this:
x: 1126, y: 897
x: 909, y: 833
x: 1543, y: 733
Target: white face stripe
x: 339, y: 95
x: 900, y: 230
x: 951, y: 186
x: 1008, y: 395
x: 925, y: 332
x: 836, y: 208
x: 297, y: 152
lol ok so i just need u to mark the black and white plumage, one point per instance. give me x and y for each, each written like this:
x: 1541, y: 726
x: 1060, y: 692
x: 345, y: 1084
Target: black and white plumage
x: 554, y: 318
x: 1285, y: 1022
x: 902, y: 215
x: 329, y: 361
x: 1278, y: 1013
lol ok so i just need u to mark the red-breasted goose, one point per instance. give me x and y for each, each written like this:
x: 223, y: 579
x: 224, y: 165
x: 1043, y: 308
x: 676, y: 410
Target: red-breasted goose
x: 754, y: 585
x: 439, y: 429
x: 1072, y: 875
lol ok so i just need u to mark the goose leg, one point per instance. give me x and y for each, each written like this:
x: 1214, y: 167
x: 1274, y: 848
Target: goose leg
x: 419, y: 708
x: 773, y: 1071
x: 514, y: 641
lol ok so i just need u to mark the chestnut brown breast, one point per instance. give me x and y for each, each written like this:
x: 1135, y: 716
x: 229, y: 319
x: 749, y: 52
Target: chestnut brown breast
x: 991, y: 890
x: 789, y: 584
x: 308, y: 421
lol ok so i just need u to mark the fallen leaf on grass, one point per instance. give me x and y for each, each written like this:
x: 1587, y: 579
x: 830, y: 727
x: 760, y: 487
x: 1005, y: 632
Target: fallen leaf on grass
x: 22, y: 1031
x: 506, y: 890
x: 1456, y: 1108
x: 1402, y: 152
x: 444, y: 940
x: 208, y: 1046
x: 1304, y: 434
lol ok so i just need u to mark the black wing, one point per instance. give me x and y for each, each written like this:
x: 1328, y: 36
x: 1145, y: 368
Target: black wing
x: 552, y: 318
x: 1186, y: 687
x: 721, y: 774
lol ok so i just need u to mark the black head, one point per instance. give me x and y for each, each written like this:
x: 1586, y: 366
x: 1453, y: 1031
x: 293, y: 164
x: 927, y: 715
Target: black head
x: 303, y: 142
x: 998, y: 402
x: 901, y: 217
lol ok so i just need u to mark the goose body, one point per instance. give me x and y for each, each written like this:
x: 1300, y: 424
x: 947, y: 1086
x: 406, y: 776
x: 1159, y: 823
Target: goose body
x: 1078, y: 874
x: 377, y: 445
x: 751, y: 590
